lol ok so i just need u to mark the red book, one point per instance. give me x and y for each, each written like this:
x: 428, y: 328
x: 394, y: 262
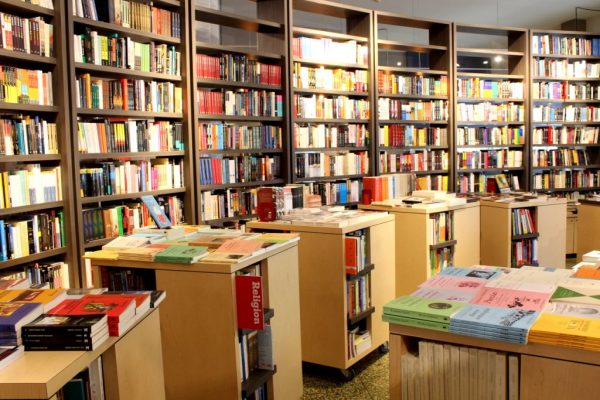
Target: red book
x: 249, y: 300
x: 116, y: 307
x: 351, y: 254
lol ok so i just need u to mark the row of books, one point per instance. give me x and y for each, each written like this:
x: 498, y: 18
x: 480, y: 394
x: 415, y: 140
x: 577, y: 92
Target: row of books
x: 477, y: 182
x: 322, y: 107
x: 434, y: 110
x: 522, y: 221
x: 355, y: 255
x: 31, y: 184
x: 312, y: 165
x: 524, y: 252
x: 329, y: 217
x: 560, y: 157
x: 440, y: 259
x: 219, y: 171
x: 45, y: 275
x: 490, y: 159
x: 432, y: 182
x: 108, y: 222
x: 230, y: 203
x: 328, y: 50
x: 26, y: 35
x: 393, y: 135
x: 489, y: 89
x: 27, y: 135
x: 113, y: 178
x: 385, y: 187
x: 491, y: 136
x: 358, y: 295
x: 359, y: 341
x: 446, y: 371
x: 413, y: 161
x: 330, y: 193
x: 566, y: 179
x: 565, y: 69
x: 25, y: 86
x: 123, y: 52
x: 565, y: 91
x: 563, y: 45
x: 20, y: 237
x: 42, y: 3
x: 509, y: 112
x: 441, y: 227
x: 254, y: 346
x: 565, y: 135
x: 241, y: 102
x: 420, y: 85
x: 308, y: 77
x: 127, y: 94
x: 226, y: 136
x: 330, y: 136
x: 131, y: 14
x: 118, y: 136
x: 551, y: 113
x: 237, y: 68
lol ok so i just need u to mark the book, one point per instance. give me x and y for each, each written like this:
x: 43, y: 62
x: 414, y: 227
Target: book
x: 249, y: 302
x: 157, y: 297
x: 482, y: 316
x: 427, y: 309
x: 81, y: 325
x: 562, y: 328
x: 442, y: 294
x: 116, y: 307
x: 8, y: 354
x: 588, y: 272
x: 157, y: 214
x: 126, y: 242
x: 18, y: 283
x: 14, y: 315
x: 416, y: 322
x: 573, y: 309
x: 572, y: 293
x: 227, y: 258
x: 47, y: 297
x: 77, y: 293
x: 181, y: 254
x: 174, y: 232
x: 472, y: 272
x: 510, y: 298
x: 454, y: 283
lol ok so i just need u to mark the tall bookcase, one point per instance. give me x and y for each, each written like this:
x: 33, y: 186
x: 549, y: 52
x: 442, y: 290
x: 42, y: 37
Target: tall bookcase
x: 490, y: 96
x: 565, y: 117
x: 150, y: 133
x: 240, y: 104
x: 330, y: 98
x: 413, y: 75
x: 47, y: 149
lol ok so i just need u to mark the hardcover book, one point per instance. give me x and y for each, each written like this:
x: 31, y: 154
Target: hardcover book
x: 116, y: 307
x: 157, y: 214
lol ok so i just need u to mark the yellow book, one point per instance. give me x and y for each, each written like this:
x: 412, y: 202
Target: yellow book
x: 566, y: 325
x: 48, y: 297
x: 102, y: 255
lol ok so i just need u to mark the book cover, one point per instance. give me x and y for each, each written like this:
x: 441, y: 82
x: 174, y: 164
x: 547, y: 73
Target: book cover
x: 417, y: 307
x: 573, y: 309
x: 586, y: 271
x: 567, y: 327
x: 8, y: 354
x: 116, y: 307
x: 576, y: 294
x: 509, y: 298
x: 228, y: 258
x: 15, y: 315
x: 126, y: 242
x: 48, y: 297
x: 157, y: 214
x: 247, y: 246
x: 454, y: 283
x: 539, y: 287
x: 518, y: 320
x: 416, y: 322
x: 483, y: 273
x: 442, y: 294
x: 65, y: 324
x: 249, y: 302
x: 181, y: 254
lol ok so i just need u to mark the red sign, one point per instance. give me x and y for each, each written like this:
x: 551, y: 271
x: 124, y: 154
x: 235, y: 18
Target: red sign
x: 249, y: 297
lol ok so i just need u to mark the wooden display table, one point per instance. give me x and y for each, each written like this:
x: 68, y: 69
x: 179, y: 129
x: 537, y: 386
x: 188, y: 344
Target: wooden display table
x: 550, y: 220
x: 200, y: 339
x: 546, y: 372
x: 588, y: 227
x: 132, y: 365
x: 414, y: 240
x: 323, y: 297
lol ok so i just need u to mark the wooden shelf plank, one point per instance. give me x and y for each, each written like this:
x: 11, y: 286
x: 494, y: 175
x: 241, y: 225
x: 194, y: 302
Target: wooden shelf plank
x: 97, y: 243
x: 330, y: 121
x: 412, y: 70
x: 241, y: 185
x: 102, y: 69
x: 567, y: 145
x: 360, y: 316
x: 525, y: 236
x: 224, y: 18
x: 365, y: 271
x: 330, y: 92
x: 329, y: 149
x: 318, y: 34
x: 394, y: 45
x: 19, y: 56
x: 257, y: 378
x: 330, y: 178
x: 493, y: 123
x: 222, y: 117
x: 491, y: 52
x: 227, y: 219
x: 566, y: 123
x: 132, y: 155
x: 491, y: 169
x: 28, y: 108
x: 560, y: 79
x: 129, y: 196
x: 241, y: 151
x: 30, y: 158
x: 490, y: 146
x: 411, y: 121
x: 484, y: 99
x: 565, y: 167
x: 560, y: 56
x: 489, y: 76
x: 31, y: 208
x: 20, y: 6
x: 413, y: 96
x: 33, y: 258
x: 405, y: 149
x: 430, y: 172
x: 203, y: 47
x: 127, y: 113
x: 132, y: 33
x: 223, y: 83
x: 448, y: 243
x: 329, y: 63
x: 566, y: 101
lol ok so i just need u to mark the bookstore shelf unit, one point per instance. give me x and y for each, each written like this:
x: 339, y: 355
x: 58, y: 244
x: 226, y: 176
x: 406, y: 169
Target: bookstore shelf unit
x: 424, y: 251
x: 240, y: 107
x: 491, y: 106
x: 325, y: 318
x: 331, y: 109
x: 41, y: 374
x: 34, y: 152
x: 413, y: 75
x: 198, y: 324
x: 588, y: 212
x: 504, y: 245
x: 565, y: 118
x: 128, y: 74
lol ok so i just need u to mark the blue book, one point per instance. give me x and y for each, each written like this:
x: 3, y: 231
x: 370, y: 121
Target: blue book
x: 483, y: 335
x: 14, y: 315
x: 485, y: 273
x: 3, y: 248
x: 518, y: 320
x: 157, y: 214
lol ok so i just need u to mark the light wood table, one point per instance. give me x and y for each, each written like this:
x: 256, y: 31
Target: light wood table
x: 200, y: 338
x: 546, y: 372
x: 588, y: 227
x: 132, y: 365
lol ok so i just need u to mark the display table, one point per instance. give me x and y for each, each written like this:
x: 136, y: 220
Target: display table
x: 132, y: 365
x: 588, y: 231
x: 546, y: 372
x: 200, y: 339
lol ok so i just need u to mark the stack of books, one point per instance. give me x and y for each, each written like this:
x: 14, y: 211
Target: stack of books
x: 48, y: 298
x: 181, y: 254
x: 358, y: 342
x: 65, y: 333
x: 12, y: 317
x: 420, y: 312
x: 146, y: 253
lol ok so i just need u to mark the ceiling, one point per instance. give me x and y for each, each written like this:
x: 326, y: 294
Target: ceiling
x: 543, y: 14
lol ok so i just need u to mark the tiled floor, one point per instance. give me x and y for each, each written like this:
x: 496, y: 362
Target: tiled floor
x: 370, y: 383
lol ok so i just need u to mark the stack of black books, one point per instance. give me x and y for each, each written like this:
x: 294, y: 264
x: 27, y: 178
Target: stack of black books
x: 61, y: 333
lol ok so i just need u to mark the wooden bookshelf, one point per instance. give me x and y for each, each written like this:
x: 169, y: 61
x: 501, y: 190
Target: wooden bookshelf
x: 92, y: 158
x: 497, y: 239
x: 200, y: 339
x: 57, y: 113
x: 415, y: 74
x: 587, y: 215
x: 551, y: 90
x: 248, y: 32
x: 491, y: 102
x: 324, y: 314
x: 316, y: 136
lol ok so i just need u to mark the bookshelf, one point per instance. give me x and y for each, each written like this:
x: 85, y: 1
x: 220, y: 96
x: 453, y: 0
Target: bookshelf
x: 491, y: 100
x: 325, y: 318
x: 239, y: 81
x: 35, y: 162
x: 131, y: 136
x: 501, y: 241
x: 331, y: 110
x: 565, y: 80
x: 588, y: 214
x: 413, y: 75
x: 200, y: 336
x: 41, y: 374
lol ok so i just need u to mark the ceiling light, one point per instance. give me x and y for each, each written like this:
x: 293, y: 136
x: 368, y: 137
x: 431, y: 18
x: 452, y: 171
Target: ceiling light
x: 498, y: 59
x: 485, y: 62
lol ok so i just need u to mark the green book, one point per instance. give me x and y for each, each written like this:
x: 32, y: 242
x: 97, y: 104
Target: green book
x: 418, y: 307
x: 181, y: 254
x: 418, y: 323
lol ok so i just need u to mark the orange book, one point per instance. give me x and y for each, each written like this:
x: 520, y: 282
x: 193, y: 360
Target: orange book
x: 351, y: 254
x: 588, y: 271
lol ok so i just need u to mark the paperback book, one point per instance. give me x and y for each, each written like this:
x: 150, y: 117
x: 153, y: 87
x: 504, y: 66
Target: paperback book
x: 427, y: 309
